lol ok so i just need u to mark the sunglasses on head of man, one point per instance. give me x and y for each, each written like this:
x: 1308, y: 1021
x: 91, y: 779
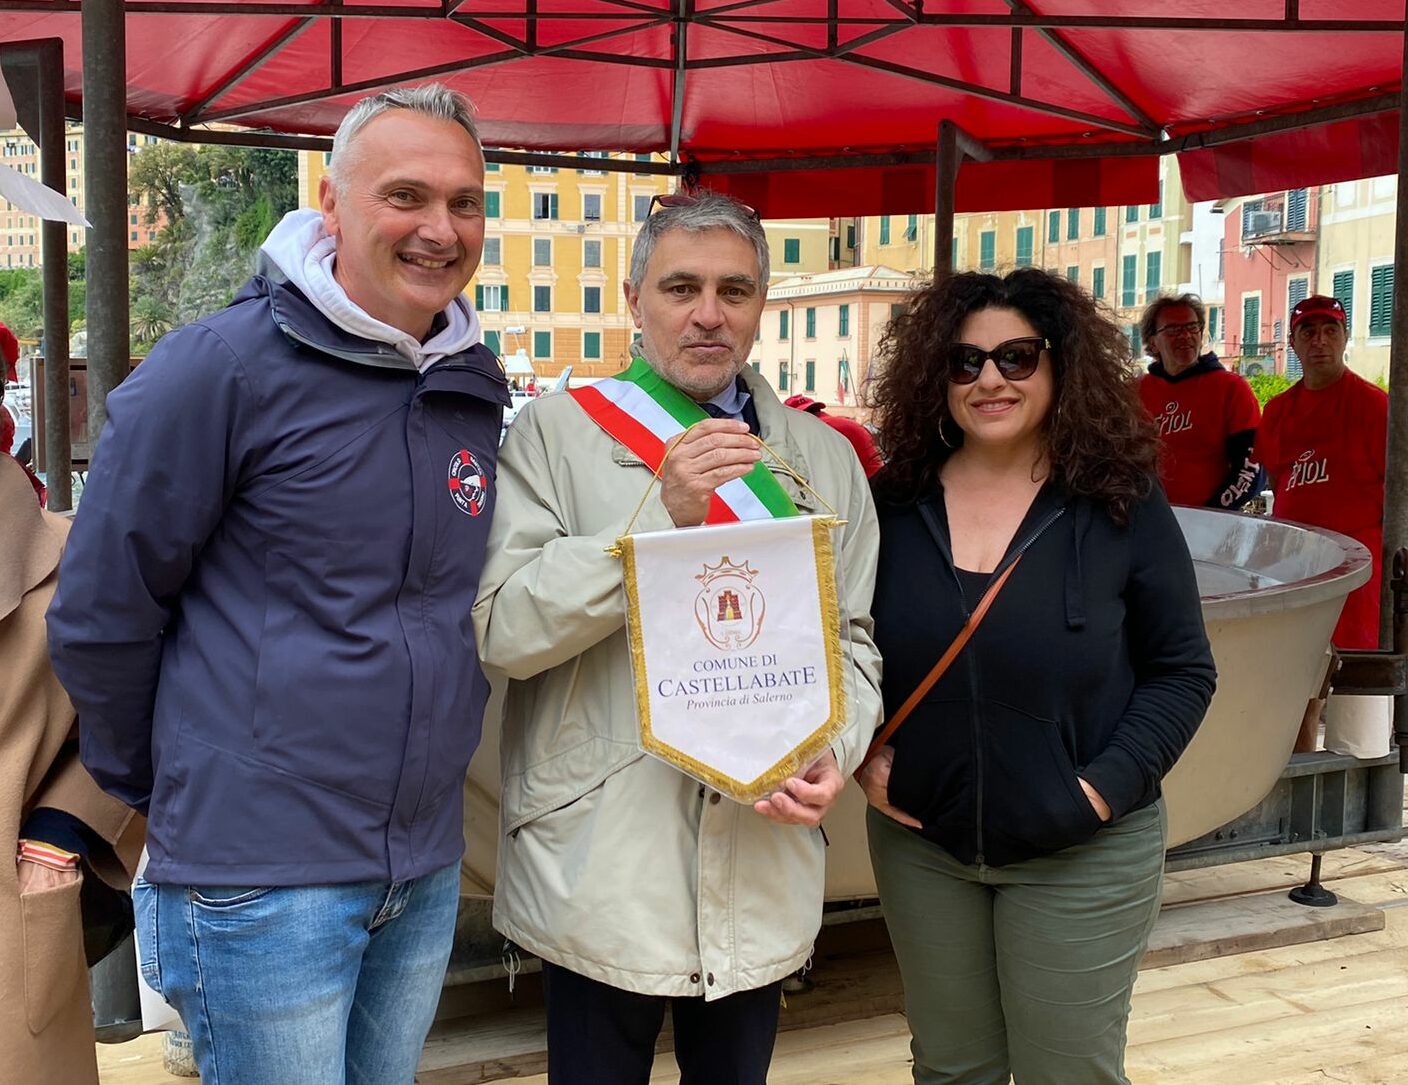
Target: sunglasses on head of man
x: 680, y: 199
x: 1016, y: 359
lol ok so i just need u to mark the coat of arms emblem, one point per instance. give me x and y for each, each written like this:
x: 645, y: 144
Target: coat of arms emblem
x: 729, y: 607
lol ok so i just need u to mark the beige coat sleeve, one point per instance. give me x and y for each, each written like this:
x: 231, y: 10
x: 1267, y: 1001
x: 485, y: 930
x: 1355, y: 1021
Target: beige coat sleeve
x: 548, y: 592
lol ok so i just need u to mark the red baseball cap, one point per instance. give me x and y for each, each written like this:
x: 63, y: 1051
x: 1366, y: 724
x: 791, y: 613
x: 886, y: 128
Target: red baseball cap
x: 1316, y: 305
x: 804, y: 403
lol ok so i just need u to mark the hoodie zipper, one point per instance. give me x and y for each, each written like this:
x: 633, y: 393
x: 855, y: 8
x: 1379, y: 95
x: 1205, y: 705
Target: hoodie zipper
x: 1032, y: 536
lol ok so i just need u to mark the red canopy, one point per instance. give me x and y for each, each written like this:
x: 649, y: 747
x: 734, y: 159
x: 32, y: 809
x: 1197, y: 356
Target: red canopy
x: 798, y: 90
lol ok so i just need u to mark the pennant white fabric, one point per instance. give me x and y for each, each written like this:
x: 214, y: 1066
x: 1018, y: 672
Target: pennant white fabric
x: 29, y: 196
x: 736, y: 649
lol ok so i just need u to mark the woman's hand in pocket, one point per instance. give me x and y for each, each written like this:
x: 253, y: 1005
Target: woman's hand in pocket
x: 875, y: 782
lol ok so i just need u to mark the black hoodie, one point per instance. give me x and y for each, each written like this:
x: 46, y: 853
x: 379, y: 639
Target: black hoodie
x: 1092, y: 662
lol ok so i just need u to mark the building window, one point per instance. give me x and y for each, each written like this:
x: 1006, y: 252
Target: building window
x: 593, y: 173
x: 542, y: 252
x: 1131, y: 213
x: 1136, y: 344
x: 1098, y: 227
x: 591, y: 346
x: 1153, y: 274
x: 134, y: 235
x: 911, y: 228
x: 843, y: 323
x: 491, y: 299
x: 489, y: 167
x: 791, y: 250
x: 492, y: 341
x: 1129, y: 268
x: 641, y: 204
x: 1251, y: 324
x: 491, y: 205
x: 850, y: 236
x: 1381, y: 300
x: 132, y: 220
x: 811, y: 377
x: 542, y: 299
x: 810, y: 315
x: 1072, y: 273
x: 591, y: 299
x: 542, y: 344
x: 1025, y: 243
x: 782, y: 328
x: 782, y: 376
x: 757, y: 366
x: 1297, y: 209
x: 987, y: 250
x: 493, y: 251
x: 1156, y: 209
x: 591, y: 206
x: 1297, y: 290
x: 1213, y: 313
x: 884, y: 229
x: 591, y: 253
x: 1053, y: 227
x: 542, y: 169
x: 833, y: 247
x: 545, y: 205
x: 1072, y: 223
x: 1097, y: 283
x: 1343, y: 288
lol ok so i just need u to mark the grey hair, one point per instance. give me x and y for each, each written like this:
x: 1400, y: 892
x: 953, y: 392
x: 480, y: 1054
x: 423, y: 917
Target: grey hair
x: 1148, y: 323
x: 709, y: 211
x: 433, y: 100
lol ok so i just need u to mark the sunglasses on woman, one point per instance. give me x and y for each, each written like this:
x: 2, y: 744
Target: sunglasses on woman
x: 1015, y: 359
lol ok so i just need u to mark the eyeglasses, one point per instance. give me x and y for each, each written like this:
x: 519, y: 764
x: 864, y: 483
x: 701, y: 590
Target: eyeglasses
x: 1015, y: 359
x: 1175, y: 330
x: 680, y: 199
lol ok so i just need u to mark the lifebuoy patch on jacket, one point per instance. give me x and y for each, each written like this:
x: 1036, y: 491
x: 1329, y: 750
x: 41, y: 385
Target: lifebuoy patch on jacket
x: 469, y: 485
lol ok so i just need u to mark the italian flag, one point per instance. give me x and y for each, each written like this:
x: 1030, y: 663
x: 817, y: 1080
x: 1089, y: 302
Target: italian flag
x: 646, y: 413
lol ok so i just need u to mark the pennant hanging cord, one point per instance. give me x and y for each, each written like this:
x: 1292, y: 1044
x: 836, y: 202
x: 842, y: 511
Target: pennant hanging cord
x: 786, y: 467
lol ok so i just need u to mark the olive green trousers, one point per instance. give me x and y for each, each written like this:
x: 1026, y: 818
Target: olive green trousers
x: 1022, y: 972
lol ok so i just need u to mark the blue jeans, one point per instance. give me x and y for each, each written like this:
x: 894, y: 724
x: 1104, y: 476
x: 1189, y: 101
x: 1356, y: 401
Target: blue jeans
x: 305, y: 985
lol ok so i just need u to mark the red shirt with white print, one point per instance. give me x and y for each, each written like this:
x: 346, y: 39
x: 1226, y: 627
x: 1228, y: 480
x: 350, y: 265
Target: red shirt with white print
x: 1325, y: 451
x: 1196, y: 412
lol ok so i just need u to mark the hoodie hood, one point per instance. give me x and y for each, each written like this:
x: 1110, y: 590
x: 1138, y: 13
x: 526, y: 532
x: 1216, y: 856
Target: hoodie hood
x: 300, y: 251
x: 1206, y: 363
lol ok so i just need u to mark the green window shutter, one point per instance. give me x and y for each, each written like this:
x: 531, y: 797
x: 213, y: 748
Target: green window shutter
x: 1136, y: 341
x: 782, y: 329
x: 884, y: 229
x: 811, y: 323
x: 503, y: 297
x: 782, y: 376
x: 850, y: 237
x: 1025, y: 245
x: 987, y: 250
x: 1381, y: 300
x: 811, y: 377
x: 491, y: 205
x: 953, y: 259
x: 1099, y: 227
x: 1156, y: 209
x: 911, y: 228
x: 542, y: 344
x: 1072, y: 223
x: 1251, y: 324
x: 591, y: 345
x: 1153, y: 273
x: 1131, y: 213
x: 1343, y: 289
x: 1097, y: 282
x: 1297, y: 209
x: 479, y: 298
x: 1073, y: 273
x: 1297, y: 290
x: 1212, y: 324
x: 552, y: 206
x: 1128, y: 270
x: 1053, y: 227
x: 491, y: 340
x: 791, y: 250
x: 844, y: 323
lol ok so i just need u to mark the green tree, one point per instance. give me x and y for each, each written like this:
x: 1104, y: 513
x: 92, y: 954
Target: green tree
x: 158, y: 172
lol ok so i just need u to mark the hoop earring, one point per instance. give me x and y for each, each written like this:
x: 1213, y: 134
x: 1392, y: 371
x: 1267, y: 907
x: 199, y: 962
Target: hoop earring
x: 944, y: 436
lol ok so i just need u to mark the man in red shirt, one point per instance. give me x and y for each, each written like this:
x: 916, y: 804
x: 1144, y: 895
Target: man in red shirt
x: 10, y: 353
x: 1207, y: 415
x: 1324, y: 443
x: 848, y: 428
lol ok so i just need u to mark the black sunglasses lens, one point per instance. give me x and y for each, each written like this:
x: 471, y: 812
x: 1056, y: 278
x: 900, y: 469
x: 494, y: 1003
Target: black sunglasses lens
x: 965, y: 363
x: 1018, y: 361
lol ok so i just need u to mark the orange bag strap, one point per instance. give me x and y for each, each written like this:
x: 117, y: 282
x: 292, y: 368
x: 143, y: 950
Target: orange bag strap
x: 950, y: 654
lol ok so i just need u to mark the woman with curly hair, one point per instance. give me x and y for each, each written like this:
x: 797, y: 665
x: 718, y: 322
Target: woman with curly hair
x: 1015, y: 823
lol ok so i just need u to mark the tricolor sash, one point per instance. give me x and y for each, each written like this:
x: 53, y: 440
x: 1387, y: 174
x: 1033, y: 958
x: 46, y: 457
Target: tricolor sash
x: 646, y: 413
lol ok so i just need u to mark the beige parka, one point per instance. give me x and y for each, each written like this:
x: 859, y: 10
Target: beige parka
x: 612, y: 863
x: 46, y: 1020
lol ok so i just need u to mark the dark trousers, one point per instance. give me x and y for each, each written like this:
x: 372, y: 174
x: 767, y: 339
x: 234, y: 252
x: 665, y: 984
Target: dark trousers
x: 601, y: 1035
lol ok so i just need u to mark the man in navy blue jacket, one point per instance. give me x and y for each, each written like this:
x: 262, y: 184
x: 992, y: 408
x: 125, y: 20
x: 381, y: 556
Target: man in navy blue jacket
x: 264, y: 617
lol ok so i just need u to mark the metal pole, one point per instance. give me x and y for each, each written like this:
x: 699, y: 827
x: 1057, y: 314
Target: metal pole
x: 53, y: 237
x: 1396, y: 484
x: 105, y: 179
x: 946, y: 163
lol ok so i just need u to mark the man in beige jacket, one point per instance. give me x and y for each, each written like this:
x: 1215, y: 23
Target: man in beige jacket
x: 641, y: 889
x: 59, y: 825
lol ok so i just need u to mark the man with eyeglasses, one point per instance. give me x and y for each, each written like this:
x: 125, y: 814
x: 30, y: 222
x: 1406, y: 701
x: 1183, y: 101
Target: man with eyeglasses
x: 1324, y: 442
x: 1206, y: 414
x: 641, y: 889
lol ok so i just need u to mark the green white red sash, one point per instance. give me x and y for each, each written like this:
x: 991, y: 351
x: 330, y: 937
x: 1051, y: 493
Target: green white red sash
x: 644, y: 412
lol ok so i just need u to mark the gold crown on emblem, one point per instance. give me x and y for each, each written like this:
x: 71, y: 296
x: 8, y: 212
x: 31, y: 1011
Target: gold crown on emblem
x: 726, y: 567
